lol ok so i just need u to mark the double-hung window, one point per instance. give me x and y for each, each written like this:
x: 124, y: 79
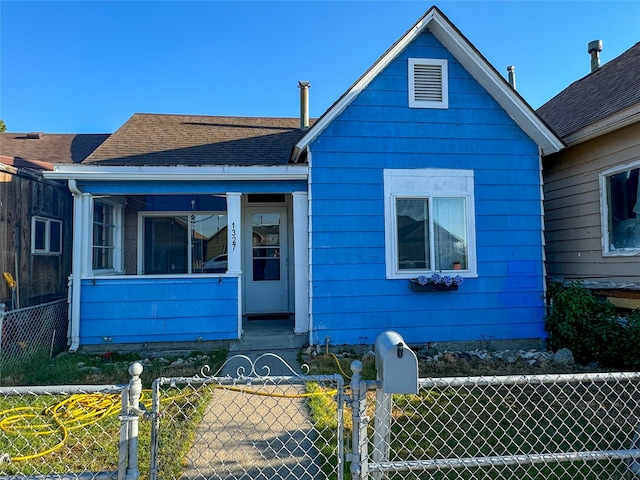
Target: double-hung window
x: 183, y: 243
x: 46, y: 236
x: 620, y: 209
x: 429, y: 221
x: 107, y: 232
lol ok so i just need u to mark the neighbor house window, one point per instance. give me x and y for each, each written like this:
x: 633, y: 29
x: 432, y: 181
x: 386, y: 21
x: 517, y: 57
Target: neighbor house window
x: 428, y: 83
x: 620, y: 194
x: 46, y: 236
x: 429, y: 217
x: 179, y: 243
x: 107, y: 220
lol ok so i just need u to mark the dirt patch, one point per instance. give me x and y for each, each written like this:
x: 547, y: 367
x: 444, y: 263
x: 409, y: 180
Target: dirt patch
x: 454, y: 364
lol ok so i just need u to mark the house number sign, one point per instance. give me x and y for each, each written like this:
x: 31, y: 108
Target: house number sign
x: 233, y: 235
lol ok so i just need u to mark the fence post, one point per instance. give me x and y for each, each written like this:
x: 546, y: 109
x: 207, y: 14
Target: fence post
x: 123, y: 448
x: 359, y: 453
x: 132, y: 415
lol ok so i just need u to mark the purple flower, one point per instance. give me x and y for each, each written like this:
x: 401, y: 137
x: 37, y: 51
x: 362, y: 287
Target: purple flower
x: 457, y: 280
x: 423, y: 280
x: 447, y: 280
x: 436, y: 278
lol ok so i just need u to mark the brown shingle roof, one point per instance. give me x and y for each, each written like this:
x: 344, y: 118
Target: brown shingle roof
x: 50, y: 148
x: 167, y: 140
x: 611, y: 88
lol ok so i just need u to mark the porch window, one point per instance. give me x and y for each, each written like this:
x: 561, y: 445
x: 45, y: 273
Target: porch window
x: 184, y: 243
x: 621, y: 210
x: 46, y: 236
x: 107, y: 218
x: 430, y: 222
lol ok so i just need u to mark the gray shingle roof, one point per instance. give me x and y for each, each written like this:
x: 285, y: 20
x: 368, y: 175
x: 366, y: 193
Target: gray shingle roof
x: 611, y: 88
x: 168, y: 140
x: 50, y: 148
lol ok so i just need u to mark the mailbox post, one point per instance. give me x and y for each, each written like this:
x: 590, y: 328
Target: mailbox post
x: 397, y: 372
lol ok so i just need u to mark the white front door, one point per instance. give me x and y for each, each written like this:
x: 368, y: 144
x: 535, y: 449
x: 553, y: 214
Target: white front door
x: 266, y: 282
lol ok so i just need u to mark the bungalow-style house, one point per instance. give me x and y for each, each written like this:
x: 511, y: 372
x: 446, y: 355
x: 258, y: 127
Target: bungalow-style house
x: 188, y: 227
x: 591, y: 188
x: 35, y: 215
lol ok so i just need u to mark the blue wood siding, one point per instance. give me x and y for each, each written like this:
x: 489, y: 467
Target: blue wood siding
x: 352, y: 299
x: 140, y: 310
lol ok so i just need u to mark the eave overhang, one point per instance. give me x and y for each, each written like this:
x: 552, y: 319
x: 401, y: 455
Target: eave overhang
x: 606, y: 125
x: 179, y: 173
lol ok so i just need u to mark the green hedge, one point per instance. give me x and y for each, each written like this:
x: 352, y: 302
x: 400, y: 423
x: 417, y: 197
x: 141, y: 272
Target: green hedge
x: 594, y: 330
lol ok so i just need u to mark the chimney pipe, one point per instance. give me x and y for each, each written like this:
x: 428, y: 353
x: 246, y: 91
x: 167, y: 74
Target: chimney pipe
x: 594, y: 48
x: 304, y: 85
x: 512, y: 76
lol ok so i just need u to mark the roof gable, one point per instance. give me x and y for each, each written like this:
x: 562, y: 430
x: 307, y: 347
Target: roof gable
x: 469, y: 57
x: 607, y: 98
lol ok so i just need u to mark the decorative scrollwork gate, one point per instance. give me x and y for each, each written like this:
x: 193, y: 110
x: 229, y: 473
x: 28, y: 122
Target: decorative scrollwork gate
x: 251, y: 420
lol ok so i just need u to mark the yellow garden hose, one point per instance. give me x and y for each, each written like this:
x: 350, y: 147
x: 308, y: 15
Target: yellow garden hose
x: 84, y: 409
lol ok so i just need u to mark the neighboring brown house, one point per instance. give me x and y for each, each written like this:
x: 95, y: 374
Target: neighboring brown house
x: 36, y: 215
x: 592, y: 197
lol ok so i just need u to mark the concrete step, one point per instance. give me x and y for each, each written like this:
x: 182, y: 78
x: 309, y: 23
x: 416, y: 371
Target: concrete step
x: 268, y: 334
x: 267, y: 341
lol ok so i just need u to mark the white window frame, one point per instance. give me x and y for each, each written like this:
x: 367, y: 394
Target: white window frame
x: 47, y: 236
x: 444, y: 85
x: 155, y: 214
x: 117, y: 210
x: 427, y: 183
x: 607, y: 249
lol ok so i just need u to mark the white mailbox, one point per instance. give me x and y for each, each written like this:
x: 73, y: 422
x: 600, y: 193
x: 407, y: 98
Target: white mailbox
x: 396, y: 364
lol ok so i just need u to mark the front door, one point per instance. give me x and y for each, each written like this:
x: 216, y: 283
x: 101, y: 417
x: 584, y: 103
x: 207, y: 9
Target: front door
x: 266, y: 285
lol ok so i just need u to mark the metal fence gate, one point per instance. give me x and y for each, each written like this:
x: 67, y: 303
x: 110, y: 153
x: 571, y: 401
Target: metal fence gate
x: 253, y: 423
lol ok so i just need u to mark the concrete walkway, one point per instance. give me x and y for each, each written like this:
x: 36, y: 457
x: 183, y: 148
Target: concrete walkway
x: 261, y: 436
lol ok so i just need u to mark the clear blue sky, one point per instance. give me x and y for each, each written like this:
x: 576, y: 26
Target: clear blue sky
x: 86, y: 67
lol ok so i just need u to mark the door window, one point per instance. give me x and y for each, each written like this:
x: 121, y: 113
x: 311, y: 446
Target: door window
x: 266, y: 246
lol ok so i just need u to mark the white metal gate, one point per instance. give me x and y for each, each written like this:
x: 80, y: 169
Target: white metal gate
x: 252, y: 424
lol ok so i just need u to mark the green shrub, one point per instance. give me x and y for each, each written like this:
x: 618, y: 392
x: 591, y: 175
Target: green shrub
x: 594, y: 330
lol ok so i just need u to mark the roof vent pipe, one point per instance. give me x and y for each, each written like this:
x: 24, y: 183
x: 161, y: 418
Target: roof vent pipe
x: 304, y: 85
x: 594, y: 48
x: 512, y: 76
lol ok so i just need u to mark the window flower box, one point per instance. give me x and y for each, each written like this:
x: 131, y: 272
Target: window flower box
x: 435, y: 283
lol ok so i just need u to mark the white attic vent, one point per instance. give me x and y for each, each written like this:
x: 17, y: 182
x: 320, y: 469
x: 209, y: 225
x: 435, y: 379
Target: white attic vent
x: 428, y: 83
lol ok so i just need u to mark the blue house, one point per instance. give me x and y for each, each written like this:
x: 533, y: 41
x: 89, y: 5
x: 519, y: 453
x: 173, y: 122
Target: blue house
x: 187, y: 228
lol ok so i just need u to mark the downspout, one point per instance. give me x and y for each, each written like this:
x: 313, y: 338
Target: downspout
x: 76, y: 265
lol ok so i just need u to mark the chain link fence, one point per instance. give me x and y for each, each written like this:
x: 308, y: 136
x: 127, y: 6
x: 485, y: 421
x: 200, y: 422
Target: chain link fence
x: 73, y: 432
x: 31, y: 333
x: 242, y: 425
x: 248, y: 427
x: 526, y: 427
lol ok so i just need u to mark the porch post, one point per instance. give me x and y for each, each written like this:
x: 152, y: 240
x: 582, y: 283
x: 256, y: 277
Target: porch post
x: 234, y: 250
x: 301, y: 260
x: 234, y: 224
x: 81, y: 212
